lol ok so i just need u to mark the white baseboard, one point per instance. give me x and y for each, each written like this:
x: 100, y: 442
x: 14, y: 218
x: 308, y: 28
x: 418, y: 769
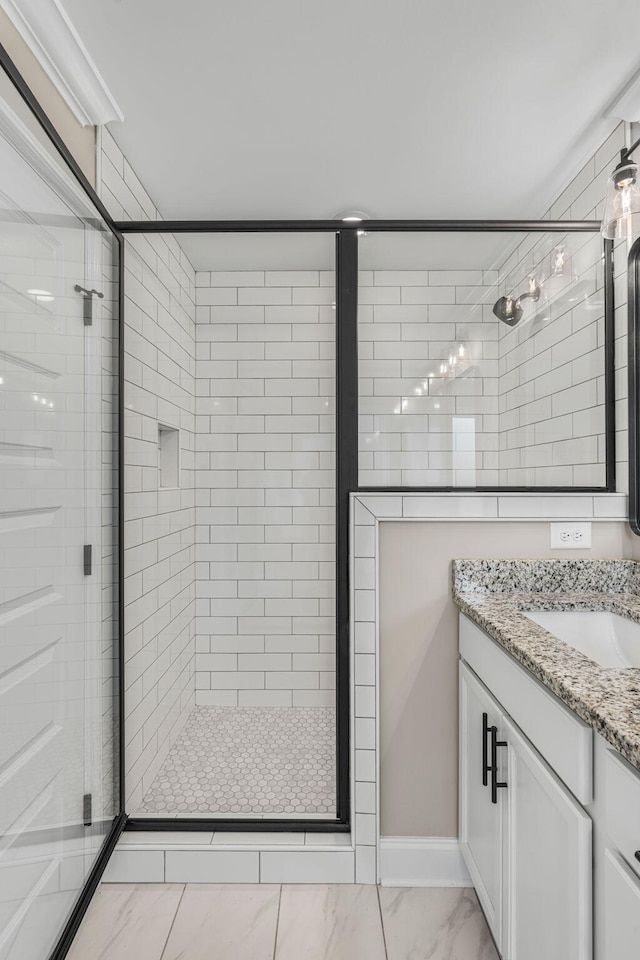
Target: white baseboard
x: 422, y: 862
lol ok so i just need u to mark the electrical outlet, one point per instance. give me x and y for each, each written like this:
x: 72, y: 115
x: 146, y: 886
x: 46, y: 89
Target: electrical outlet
x: 570, y: 536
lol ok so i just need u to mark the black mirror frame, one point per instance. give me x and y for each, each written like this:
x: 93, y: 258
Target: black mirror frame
x: 633, y: 338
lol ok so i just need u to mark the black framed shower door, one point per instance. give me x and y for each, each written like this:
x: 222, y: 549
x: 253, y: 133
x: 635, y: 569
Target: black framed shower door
x: 105, y: 821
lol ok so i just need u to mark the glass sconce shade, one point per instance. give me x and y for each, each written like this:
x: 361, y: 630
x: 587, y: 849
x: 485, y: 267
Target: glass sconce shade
x: 622, y: 201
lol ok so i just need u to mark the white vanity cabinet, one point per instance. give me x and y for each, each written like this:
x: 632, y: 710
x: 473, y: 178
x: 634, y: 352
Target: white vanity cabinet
x: 621, y: 838
x: 481, y: 821
x: 622, y: 909
x: 526, y: 840
x: 548, y: 871
x: 549, y: 816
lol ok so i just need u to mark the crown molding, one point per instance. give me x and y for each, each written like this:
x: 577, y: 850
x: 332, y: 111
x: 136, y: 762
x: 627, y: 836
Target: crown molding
x: 44, y: 163
x: 48, y: 32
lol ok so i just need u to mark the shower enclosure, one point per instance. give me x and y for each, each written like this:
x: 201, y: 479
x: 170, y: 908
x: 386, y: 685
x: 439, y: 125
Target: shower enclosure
x: 316, y: 360
x: 59, y: 556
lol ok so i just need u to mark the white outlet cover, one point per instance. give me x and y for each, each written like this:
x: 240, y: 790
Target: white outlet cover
x: 570, y: 536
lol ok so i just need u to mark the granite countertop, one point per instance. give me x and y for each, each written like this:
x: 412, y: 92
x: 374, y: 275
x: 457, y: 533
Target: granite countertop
x: 494, y: 594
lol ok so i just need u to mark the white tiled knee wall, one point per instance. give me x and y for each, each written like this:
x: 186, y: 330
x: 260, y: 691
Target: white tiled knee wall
x: 265, y: 469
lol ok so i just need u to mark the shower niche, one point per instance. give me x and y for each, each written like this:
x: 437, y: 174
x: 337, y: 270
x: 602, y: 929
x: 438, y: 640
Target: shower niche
x: 168, y: 457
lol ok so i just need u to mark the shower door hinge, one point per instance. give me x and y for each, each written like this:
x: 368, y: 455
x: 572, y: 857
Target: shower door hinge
x: 87, y: 560
x: 86, y: 810
x: 88, y: 302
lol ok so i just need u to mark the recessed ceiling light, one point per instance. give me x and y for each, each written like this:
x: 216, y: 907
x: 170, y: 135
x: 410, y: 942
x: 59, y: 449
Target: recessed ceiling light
x: 352, y: 216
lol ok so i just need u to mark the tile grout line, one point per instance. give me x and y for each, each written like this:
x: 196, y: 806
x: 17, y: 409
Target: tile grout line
x: 384, y: 936
x: 275, y: 939
x: 184, y: 889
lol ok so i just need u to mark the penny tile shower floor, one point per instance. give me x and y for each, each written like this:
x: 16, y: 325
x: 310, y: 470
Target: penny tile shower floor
x: 249, y: 760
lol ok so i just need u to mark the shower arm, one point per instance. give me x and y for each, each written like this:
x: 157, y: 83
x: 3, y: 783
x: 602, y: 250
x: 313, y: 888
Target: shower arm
x: 626, y: 152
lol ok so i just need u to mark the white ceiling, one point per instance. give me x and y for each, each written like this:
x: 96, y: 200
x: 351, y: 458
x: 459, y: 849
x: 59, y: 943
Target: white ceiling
x: 260, y: 109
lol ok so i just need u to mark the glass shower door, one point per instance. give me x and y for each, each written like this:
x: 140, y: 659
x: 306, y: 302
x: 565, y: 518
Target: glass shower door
x: 57, y: 790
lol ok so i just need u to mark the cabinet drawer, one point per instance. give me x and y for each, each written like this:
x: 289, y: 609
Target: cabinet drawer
x: 622, y: 909
x: 623, y: 808
x: 559, y: 735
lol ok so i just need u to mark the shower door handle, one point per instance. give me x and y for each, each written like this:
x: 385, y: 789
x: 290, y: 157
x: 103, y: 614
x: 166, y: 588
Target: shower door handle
x: 88, y: 302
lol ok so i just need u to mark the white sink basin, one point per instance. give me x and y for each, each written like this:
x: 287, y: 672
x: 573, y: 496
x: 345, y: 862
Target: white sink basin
x: 610, y: 640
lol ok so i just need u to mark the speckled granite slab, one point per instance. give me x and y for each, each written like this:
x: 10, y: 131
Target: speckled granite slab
x: 546, y: 576
x: 494, y: 594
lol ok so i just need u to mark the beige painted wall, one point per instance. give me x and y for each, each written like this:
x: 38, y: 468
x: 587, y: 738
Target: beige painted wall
x: 81, y: 141
x: 419, y: 653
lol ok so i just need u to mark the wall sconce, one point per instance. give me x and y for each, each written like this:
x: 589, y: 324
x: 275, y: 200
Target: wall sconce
x: 559, y: 278
x: 559, y: 261
x: 509, y: 310
x: 622, y: 199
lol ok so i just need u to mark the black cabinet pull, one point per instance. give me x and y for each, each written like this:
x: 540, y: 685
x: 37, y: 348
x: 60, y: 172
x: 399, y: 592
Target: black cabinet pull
x: 637, y: 854
x: 485, y: 749
x: 495, y: 783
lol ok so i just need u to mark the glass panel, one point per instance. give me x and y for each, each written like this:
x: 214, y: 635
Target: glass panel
x: 58, y: 482
x: 254, y: 733
x: 481, y: 360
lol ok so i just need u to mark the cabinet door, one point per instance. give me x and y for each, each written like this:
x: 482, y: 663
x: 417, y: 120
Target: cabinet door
x: 481, y: 820
x: 549, y: 861
x: 622, y: 909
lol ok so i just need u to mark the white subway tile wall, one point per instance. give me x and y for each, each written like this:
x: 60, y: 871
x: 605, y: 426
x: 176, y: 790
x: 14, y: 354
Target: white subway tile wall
x: 159, y: 389
x: 584, y: 199
x: 265, y: 488
x: 551, y: 424
x: 451, y: 396
x: 428, y: 378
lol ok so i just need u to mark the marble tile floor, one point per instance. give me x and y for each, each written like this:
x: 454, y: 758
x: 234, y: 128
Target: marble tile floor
x: 288, y: 922
x: 249, y: 761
